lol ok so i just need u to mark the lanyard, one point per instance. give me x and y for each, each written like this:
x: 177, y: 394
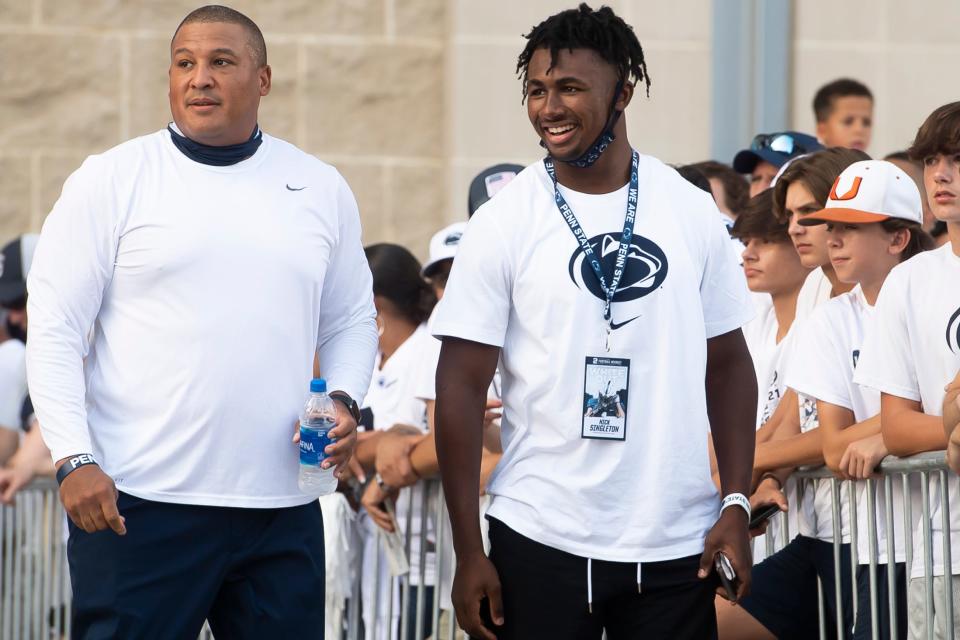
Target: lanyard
x: 588, y: 253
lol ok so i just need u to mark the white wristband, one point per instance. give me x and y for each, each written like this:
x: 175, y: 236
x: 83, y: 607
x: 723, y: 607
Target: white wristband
x: 736, y: 499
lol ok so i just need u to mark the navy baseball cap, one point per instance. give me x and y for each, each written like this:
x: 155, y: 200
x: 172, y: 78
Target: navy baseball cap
x: 488, y: 182
x: 15, y: 259
x: 775, y: 148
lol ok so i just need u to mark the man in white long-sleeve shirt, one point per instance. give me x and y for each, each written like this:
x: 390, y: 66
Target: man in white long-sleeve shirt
x: 183, y: 284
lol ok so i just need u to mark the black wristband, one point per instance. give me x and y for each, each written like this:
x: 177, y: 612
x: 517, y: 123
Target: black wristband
x: 72, y: 464
x: 348, y: 402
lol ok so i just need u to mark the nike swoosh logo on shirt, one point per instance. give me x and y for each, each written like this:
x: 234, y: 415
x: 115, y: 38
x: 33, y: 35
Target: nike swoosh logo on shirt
x: 289, y: 188
x: 614, y: 326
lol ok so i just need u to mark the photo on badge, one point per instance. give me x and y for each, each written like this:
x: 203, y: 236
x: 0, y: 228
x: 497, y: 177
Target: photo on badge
x: 605, y: 384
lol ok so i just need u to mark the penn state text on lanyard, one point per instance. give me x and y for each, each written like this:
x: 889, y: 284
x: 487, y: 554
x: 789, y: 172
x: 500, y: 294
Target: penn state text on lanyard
x: 588, y: 253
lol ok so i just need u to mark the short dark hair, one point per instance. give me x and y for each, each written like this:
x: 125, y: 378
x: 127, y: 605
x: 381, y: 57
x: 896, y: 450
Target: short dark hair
x: 817, y: 171
x: 919, y: 242
x: 695, y: 177
x: 601, y: 31
x: 736, y: 188
x: 903, y: 156
x: 219, y: 13
x: 939, y: 133
x: 756, y: 220
x: 396, y: 277
x: 841, y: 88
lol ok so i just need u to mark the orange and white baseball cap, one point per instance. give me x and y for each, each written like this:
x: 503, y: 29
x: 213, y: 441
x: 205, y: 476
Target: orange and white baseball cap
x: 870, y: 191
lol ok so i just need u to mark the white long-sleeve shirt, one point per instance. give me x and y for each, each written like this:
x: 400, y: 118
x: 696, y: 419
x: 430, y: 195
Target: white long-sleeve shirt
x: 175, y: 309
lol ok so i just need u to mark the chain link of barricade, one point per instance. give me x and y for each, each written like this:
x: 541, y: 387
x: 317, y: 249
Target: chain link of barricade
x: 35, y: 586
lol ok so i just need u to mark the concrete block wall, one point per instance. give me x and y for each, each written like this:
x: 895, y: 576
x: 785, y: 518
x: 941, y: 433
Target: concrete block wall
x: 410, y: 98
x: 901, y: 50
x: 359, y: 83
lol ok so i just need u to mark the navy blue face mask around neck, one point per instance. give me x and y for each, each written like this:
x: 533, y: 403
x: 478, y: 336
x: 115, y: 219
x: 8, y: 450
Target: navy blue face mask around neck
x: 216, y: 156
x: 606, y: 137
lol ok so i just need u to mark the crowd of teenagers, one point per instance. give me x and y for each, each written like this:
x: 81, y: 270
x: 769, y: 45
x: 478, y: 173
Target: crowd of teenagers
x: 590, y: 385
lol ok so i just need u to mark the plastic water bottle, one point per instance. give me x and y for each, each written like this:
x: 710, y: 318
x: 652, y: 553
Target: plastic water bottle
x: 318, y: 417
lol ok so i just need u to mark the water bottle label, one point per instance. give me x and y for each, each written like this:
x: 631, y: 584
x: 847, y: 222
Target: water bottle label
x: 312, y: 445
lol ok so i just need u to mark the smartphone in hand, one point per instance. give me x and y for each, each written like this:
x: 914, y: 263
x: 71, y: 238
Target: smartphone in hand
x: 728, y: 578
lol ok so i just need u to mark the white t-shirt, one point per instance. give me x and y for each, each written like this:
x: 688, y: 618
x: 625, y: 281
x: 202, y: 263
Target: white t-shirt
x: 520, y: 283
x: 823, y: 368
x: 392, y: 396
x: 815, y: 512
x: 13, y: 383
x: 911, y: 351
x: 207, y: 291
x: 769, y: 361
x: 769, y: 357
x: 816, y: 289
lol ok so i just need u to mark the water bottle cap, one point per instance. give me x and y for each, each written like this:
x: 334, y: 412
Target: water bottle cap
x: 318, y: 385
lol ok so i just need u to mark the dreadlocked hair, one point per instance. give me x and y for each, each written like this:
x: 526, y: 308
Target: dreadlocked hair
x: 601, y: 31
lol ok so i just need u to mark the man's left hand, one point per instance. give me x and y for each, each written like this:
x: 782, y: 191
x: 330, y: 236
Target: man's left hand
x: 730, y: 536
x: 345, y: 433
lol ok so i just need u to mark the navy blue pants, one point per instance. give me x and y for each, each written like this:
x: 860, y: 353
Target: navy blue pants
x: 783, y: 593
x: 253, y: 573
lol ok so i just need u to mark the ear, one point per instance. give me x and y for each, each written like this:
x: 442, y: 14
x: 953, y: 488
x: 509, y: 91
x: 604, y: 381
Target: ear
x: 266, y: 77
x: 626, y: 95
x: 899, y: 241
x: 821, y: 130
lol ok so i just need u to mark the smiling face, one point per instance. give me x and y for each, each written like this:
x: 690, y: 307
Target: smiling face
x: 569, y: 104
x: 941, y: 177
x: 809, y: 242
x: 215, y: 83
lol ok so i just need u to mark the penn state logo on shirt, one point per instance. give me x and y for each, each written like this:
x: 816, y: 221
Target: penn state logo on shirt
x: 953, y: 332
x: 645, y: 271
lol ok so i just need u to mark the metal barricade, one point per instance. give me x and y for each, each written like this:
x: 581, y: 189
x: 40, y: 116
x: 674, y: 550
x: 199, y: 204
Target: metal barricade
x: 919, y: 519
x: 34, y: 578
x: 35, y: 589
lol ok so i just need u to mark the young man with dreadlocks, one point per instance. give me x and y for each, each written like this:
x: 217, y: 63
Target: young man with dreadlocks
x: 619, y: 343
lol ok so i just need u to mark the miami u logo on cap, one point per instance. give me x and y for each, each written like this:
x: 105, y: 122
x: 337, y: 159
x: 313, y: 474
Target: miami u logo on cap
x: 851, y: 192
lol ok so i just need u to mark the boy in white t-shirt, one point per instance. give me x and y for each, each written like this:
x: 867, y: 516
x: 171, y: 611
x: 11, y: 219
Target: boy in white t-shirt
x: 911, y: 353
x: 773, y: 270
x: 771, y: 266
x: 873, y: 221
x: 600, y: 520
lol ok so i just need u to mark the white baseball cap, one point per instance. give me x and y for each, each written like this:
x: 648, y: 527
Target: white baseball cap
x: 870, y: 191
x: 443, y: 246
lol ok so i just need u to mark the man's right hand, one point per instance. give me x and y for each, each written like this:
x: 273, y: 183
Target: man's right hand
x: 90, y: 498
x: 476, y: 579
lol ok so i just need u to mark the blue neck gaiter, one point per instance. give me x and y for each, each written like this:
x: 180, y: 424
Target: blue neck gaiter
x: 216, y: 156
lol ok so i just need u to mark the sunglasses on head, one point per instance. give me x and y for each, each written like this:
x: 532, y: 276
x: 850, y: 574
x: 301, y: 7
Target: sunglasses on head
x: 780, y: 142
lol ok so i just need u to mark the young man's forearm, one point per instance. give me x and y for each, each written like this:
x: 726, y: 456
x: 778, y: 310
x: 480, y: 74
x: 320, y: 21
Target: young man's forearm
x: 461, y: 402
x: 907, y: 430
x: 731, y: 405
x: 804, y: 448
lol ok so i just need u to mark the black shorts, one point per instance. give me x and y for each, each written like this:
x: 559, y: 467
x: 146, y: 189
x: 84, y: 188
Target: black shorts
x: 254, y: 573
x: 863, y: 628
x: 545, y: 595
x: 783, y: 593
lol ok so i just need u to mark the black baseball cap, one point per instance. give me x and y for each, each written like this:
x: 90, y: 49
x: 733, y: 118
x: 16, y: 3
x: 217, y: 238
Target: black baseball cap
x: 775, y: 148
x: 488, y: 182
x: 15, y: 259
